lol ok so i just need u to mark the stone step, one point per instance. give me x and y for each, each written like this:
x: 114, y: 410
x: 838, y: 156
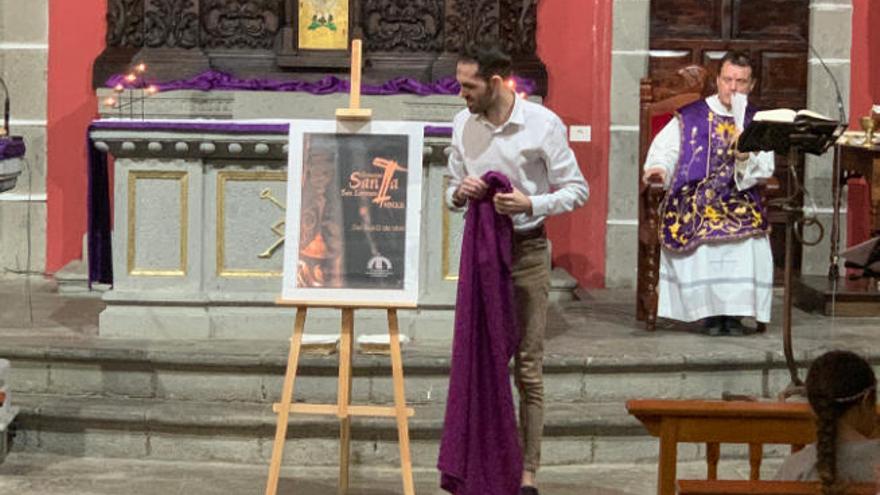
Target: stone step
x: 229, y: 371
x: 243, y: 432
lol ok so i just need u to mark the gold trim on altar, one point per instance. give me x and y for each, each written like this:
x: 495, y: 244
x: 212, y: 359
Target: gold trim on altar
x: 183, y: 179
x: 323, y: 24
x: 241, y: 175
x: 446, y: 235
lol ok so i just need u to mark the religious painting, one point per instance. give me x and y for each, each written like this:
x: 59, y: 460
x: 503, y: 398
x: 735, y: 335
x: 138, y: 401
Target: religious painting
x: 354, y: 203
x: 323, y: 24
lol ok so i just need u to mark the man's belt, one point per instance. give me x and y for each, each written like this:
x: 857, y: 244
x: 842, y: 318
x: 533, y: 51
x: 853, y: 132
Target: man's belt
x: 526, y: 235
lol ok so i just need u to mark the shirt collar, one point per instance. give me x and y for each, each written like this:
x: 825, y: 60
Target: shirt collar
x: 517, y: 116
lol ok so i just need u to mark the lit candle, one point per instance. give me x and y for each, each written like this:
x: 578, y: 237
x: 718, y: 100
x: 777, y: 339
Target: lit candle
x: 131, y: 78
x: 141, y: 67
x: 152, y: 89
x: 110, y: 101
x: 511, y: 83
x: 119, y: 88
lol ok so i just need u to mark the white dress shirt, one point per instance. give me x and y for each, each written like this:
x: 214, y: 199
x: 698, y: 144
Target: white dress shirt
x: 531, y: 149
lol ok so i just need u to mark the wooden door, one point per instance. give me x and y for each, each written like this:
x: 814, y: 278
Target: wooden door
x: 773, y: 32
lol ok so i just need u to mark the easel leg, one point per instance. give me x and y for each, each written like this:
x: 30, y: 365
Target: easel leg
x: 286, y: 401
x: 400, y: 403
x: 346, y: 346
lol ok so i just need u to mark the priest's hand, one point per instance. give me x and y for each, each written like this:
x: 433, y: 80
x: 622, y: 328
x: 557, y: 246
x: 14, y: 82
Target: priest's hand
x: 471, y: 188
x: 512, y: 203
x: 658, y: 172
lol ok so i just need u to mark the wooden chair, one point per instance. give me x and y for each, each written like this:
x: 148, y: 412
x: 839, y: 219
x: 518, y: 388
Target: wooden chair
x: 658, y: 102
x: 760, y: 487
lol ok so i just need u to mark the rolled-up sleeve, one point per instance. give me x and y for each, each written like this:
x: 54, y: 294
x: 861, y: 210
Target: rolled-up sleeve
x: 455, y: 168
x: 568, y: 188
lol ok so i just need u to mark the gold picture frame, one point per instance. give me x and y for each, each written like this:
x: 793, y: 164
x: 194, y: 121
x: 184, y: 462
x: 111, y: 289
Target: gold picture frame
x: 317, y: 34
x: 322, y: 24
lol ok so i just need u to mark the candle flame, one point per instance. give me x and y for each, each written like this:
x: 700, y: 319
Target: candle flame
x: 119, y: 88
x: 141, y: 67
x: 152, y: 89
x: 110, y: 101
x: 131, y: 78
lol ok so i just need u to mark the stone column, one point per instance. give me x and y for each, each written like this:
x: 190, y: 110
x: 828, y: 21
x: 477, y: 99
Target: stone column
x: 629, y: 63
x: 831, y: 36
x: 24, y: 55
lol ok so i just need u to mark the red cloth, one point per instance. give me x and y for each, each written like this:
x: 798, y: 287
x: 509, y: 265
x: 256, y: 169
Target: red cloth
x: 480, y: 452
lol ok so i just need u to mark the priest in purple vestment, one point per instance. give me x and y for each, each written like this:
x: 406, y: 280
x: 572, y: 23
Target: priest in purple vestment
x: 715, y: 258
x: 526, y: 143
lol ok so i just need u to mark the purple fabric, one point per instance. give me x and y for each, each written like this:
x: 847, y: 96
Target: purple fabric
x: 704, y: 204
x: 221, y: 81
x: 227, y: 127
x: 98, y: 195
x: 99, y: 213
x: 11, y: 147
x: 480, y: 452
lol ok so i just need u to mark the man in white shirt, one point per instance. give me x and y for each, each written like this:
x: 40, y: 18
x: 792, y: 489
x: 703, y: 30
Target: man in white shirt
x: 715, y: 258
x: 527, y: 143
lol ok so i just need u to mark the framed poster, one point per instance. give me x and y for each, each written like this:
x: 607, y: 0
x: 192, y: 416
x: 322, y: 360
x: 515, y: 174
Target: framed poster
x: 353, y: 213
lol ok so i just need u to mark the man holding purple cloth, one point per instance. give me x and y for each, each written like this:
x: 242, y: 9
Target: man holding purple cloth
x: 511, y: 165
x: 715, y: 258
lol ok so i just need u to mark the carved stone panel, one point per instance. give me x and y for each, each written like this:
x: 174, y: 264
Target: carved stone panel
x: 519, y: 22
x: 171, y: 23
x: 403, y: 25
x: 125, y: 23
x: 470, y: 21
x: 412, y: 38
x: 240, y: 23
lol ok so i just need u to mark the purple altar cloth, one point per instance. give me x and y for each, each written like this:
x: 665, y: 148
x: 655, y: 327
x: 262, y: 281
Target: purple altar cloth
x: 224, y: 126
x: 213, y: 80
x: 480, y: 452
x: 11, y: 147
x: 98, y: 200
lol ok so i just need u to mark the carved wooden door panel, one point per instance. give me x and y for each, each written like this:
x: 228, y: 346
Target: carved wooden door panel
x: 773, y: 32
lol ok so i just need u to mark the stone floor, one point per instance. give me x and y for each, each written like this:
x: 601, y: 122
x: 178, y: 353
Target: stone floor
x: 601, y: 328
x: 33, y: 474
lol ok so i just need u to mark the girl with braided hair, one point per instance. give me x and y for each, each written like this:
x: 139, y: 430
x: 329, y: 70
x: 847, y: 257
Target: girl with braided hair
x: 842, y: 391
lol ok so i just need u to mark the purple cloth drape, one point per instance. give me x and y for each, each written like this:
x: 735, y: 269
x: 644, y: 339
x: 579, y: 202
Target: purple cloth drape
x: 213, y: 80
x: 11, y: 147
x: 98, y: 216
x: 480, y: 453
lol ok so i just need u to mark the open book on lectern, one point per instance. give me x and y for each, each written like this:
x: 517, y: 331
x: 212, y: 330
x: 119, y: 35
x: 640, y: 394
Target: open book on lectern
x: 780, y: 129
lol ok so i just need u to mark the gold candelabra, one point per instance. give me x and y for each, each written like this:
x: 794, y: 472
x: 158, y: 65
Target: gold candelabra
x: 124, y: 93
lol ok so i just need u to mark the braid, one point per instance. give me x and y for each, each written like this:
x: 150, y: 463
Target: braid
x: 826, y: 446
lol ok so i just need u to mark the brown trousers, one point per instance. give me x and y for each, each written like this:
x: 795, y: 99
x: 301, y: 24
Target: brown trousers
x: 531, y: 281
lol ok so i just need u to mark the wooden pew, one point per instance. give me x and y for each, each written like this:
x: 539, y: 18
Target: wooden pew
x: 717, y: 422
x: 759, y: 487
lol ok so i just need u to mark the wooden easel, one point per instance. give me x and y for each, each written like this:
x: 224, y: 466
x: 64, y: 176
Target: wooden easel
x: 343, y: 408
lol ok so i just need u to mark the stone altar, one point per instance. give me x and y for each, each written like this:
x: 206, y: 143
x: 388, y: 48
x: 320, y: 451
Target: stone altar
x: 194, y: 211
